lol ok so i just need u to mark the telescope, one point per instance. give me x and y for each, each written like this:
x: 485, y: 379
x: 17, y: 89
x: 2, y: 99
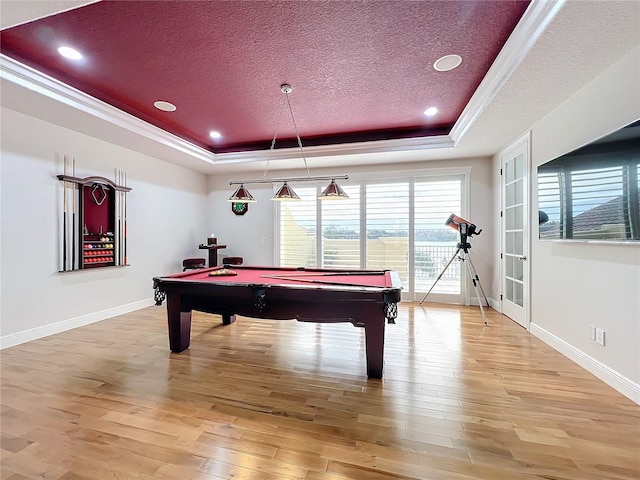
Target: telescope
x: 465, y: 227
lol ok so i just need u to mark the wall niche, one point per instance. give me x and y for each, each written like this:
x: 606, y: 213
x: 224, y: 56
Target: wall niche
x: 93, y: 231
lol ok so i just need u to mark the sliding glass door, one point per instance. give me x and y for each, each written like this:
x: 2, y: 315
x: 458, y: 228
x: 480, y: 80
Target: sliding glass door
x: 434, y: 242
x: 385, y: 224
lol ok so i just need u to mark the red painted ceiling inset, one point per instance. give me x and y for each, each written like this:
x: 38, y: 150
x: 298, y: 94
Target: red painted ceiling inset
x: 360, y: 70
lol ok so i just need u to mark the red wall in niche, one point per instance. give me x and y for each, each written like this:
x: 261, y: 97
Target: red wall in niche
x: 98, y: 215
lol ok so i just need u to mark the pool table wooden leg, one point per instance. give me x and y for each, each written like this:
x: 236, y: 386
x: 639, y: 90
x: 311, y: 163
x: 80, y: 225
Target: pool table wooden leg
x: 374, y: 340
x: 179, y: 323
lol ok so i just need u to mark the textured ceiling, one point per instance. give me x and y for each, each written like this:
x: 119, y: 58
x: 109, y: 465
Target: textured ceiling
x: 548, y: 64
x: 360, y: 71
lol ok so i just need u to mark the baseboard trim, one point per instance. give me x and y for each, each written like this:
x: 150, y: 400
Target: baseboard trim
x: 64, y: 325
x: 612, y: 378
x: 495, y: 305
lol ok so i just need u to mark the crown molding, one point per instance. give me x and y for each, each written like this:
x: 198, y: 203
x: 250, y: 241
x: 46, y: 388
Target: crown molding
x: 533, y: 23
x: 36, y: 81
x: 379, y: 146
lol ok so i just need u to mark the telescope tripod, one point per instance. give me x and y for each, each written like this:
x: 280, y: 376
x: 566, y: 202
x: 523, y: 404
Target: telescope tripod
x: 464, y: 257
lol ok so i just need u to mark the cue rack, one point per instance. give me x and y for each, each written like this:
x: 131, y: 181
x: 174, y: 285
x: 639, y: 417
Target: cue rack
x: 93, y: 219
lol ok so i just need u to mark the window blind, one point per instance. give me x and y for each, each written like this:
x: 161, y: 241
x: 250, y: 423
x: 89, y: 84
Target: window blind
x: 341, y: 230
x: 435, y: 243
x: 397, y: 225
x: 387, y: 227
x: 298, y: 227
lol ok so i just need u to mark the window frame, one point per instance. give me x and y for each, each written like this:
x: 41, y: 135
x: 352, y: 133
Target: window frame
x: 412, y: 177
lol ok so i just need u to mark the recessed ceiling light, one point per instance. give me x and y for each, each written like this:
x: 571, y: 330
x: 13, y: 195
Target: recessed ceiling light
x: 431, y: 111
x: 165, y: 106
x: 215, y: 135
x: 448, y: 62
x: 70, y: 53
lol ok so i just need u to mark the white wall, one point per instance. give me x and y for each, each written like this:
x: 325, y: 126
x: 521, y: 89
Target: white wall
x: 573, y: 284
x: 245, y: 234
x: 164, y: 217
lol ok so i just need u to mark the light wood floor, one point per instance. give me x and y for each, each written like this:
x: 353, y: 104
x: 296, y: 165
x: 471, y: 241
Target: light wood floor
x: 283, y: 400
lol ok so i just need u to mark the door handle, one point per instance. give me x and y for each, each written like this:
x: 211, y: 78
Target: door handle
x: 522, y: 257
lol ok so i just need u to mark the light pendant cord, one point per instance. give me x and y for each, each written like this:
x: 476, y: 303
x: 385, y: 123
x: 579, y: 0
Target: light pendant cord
x: 273, y: 142
x: 333, y: 191
x: 295, y: 126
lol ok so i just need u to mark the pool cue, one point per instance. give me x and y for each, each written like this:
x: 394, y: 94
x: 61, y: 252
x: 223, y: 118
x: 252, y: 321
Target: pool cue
x: 64, y: 217
x: 116, y: 227
x: 119, y: 213
x: 73, y: 217
x: 121, y: 236
x: 325, y: 274
x: 323, y: 282
x: 124, y: 200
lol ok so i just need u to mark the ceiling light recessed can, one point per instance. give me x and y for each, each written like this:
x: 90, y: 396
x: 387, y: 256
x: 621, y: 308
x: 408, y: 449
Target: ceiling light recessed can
x: 430, y: 112
x: 448, y: 62
x: 70, y: 53
x: 215, y: 135
x: 164, y: 106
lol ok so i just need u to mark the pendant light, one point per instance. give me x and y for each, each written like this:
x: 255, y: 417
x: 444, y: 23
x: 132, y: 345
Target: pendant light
x: 285, y: 194
x: 333, y: 192
x: 242, y: 195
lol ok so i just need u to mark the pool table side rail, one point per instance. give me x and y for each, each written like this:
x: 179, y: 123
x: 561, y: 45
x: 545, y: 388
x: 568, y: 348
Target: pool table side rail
x: 174, y: 281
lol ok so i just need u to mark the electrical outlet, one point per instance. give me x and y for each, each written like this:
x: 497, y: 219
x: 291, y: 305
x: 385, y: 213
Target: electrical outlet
x: 600, y: 336
x: 592, y: 332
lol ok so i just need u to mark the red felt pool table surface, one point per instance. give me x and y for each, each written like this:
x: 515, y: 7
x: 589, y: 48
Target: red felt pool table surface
x: 291, y: 277
x: 364, y: 298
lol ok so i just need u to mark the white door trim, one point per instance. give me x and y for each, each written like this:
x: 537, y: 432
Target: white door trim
x: 523, y: 144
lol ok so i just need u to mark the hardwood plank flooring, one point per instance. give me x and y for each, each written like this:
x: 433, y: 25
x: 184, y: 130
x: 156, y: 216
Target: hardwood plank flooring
x: 283, y: 400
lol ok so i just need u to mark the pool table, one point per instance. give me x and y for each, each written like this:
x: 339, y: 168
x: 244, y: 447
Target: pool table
x: 364, y: 298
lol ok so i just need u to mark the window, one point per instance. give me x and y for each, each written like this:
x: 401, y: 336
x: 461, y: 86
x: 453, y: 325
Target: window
x: 397, y: 225
x: 434, y: 243
x: 298, y: 230
x: 387, y: 226
x: 341, y: 230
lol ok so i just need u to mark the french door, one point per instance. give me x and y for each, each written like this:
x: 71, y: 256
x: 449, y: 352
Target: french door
x: 515, y: 231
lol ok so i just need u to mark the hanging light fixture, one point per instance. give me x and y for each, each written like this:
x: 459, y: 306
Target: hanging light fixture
x: 242, y: 195
x: 286, y: 193
x: 333, y: 192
